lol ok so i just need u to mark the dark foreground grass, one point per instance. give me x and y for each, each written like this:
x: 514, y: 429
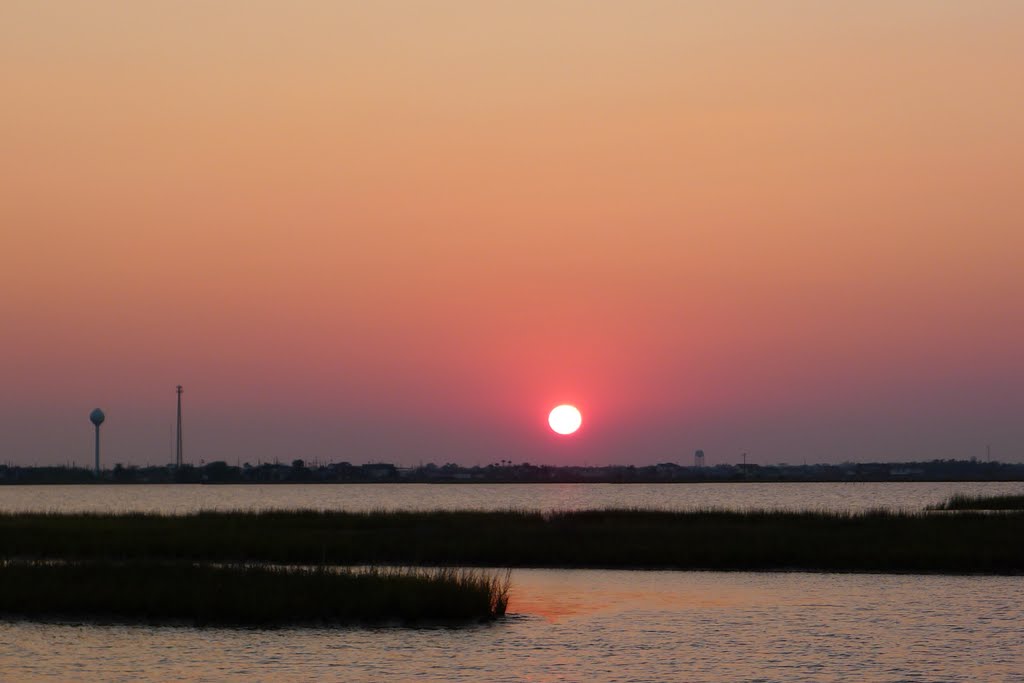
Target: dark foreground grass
x: 203, y: 594
x: 877, y: 542
x: 965, y: 502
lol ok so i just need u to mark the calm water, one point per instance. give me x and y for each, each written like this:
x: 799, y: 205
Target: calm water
x: 594, y: 626
x: 568, y: 625
x: 183, y: 498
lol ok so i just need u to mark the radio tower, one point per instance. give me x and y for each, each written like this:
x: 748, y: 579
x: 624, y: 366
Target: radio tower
x: 177, y: 455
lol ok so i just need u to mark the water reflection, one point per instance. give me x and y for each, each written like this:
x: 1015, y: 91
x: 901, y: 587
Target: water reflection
x: 562, y: 595
x: 178, y: 499
x: 585, y: 625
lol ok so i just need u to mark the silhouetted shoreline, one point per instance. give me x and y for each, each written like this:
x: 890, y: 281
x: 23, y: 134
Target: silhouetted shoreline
x: 300, y: 472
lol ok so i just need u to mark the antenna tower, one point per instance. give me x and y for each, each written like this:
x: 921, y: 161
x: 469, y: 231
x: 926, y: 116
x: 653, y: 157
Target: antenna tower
x: 178, y: 450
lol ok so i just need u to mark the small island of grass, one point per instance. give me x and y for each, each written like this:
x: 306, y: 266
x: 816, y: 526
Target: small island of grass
x: 156, y: 592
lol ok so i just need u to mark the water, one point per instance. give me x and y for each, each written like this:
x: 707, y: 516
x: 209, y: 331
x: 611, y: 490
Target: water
x: 177, y: 499
x: 594, y: 626
x: 570, y: 625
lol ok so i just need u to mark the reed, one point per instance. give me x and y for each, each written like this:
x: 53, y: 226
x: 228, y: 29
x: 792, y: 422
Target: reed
x: 965, y: 502
x: 755, y: 540
x: 239, y: 594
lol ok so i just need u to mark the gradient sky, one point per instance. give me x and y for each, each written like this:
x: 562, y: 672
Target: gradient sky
x: 403, y: 231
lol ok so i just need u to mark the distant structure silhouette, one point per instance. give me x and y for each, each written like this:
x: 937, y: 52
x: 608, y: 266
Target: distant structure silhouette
x: 178, y: 452
x: 698, y: 459
x: 97, y: 417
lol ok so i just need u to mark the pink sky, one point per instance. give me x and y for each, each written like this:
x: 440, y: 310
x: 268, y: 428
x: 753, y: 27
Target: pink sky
x: 406, y: 230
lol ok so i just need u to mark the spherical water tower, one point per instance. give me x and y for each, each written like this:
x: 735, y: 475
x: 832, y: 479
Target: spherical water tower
x: 97, y: 417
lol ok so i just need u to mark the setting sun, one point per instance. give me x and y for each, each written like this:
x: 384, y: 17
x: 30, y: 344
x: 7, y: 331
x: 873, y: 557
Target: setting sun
x: 565, y: 419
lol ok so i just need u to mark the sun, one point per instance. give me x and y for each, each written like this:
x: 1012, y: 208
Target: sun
x: 565, y: 419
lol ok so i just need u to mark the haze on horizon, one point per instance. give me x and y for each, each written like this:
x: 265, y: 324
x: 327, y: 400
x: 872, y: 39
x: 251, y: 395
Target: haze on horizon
x: 405, y: 231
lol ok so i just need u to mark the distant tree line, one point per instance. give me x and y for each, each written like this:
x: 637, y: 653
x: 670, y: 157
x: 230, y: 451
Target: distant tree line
x: 505, y: 471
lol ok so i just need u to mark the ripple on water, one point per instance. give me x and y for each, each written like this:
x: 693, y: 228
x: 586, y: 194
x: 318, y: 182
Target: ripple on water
x: 180, y: 499
x: 623, y: 626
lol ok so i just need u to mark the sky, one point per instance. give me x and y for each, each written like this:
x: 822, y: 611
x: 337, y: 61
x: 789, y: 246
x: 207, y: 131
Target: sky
x: 404, y: 231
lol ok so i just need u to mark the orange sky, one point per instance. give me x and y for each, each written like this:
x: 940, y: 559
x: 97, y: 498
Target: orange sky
x: 405, y: 230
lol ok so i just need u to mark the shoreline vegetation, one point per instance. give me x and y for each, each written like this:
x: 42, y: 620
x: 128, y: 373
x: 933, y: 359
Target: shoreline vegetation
x: 154, y: 592
x: 298, y: 567
x: 989, y: 503
x: 923, y: 542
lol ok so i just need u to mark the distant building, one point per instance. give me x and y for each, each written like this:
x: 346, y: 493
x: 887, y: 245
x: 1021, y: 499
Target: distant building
x: 906, y: 472
x: 380, y: 471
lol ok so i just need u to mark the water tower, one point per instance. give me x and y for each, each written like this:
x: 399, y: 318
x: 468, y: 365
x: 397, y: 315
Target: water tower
x: 97, y: 417
x: 698, y: 459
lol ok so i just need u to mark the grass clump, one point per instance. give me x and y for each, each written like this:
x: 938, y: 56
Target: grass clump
x: 967, y: 502
x: 250, y: 595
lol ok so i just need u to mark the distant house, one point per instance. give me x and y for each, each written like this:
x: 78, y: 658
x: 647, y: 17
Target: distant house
x: 906, y: 472
x: 381, y: 470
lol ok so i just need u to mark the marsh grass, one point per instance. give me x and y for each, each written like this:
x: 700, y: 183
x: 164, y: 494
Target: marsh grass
x: 719, y: 540
x: 966, y: 502
x: 163, y: 592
